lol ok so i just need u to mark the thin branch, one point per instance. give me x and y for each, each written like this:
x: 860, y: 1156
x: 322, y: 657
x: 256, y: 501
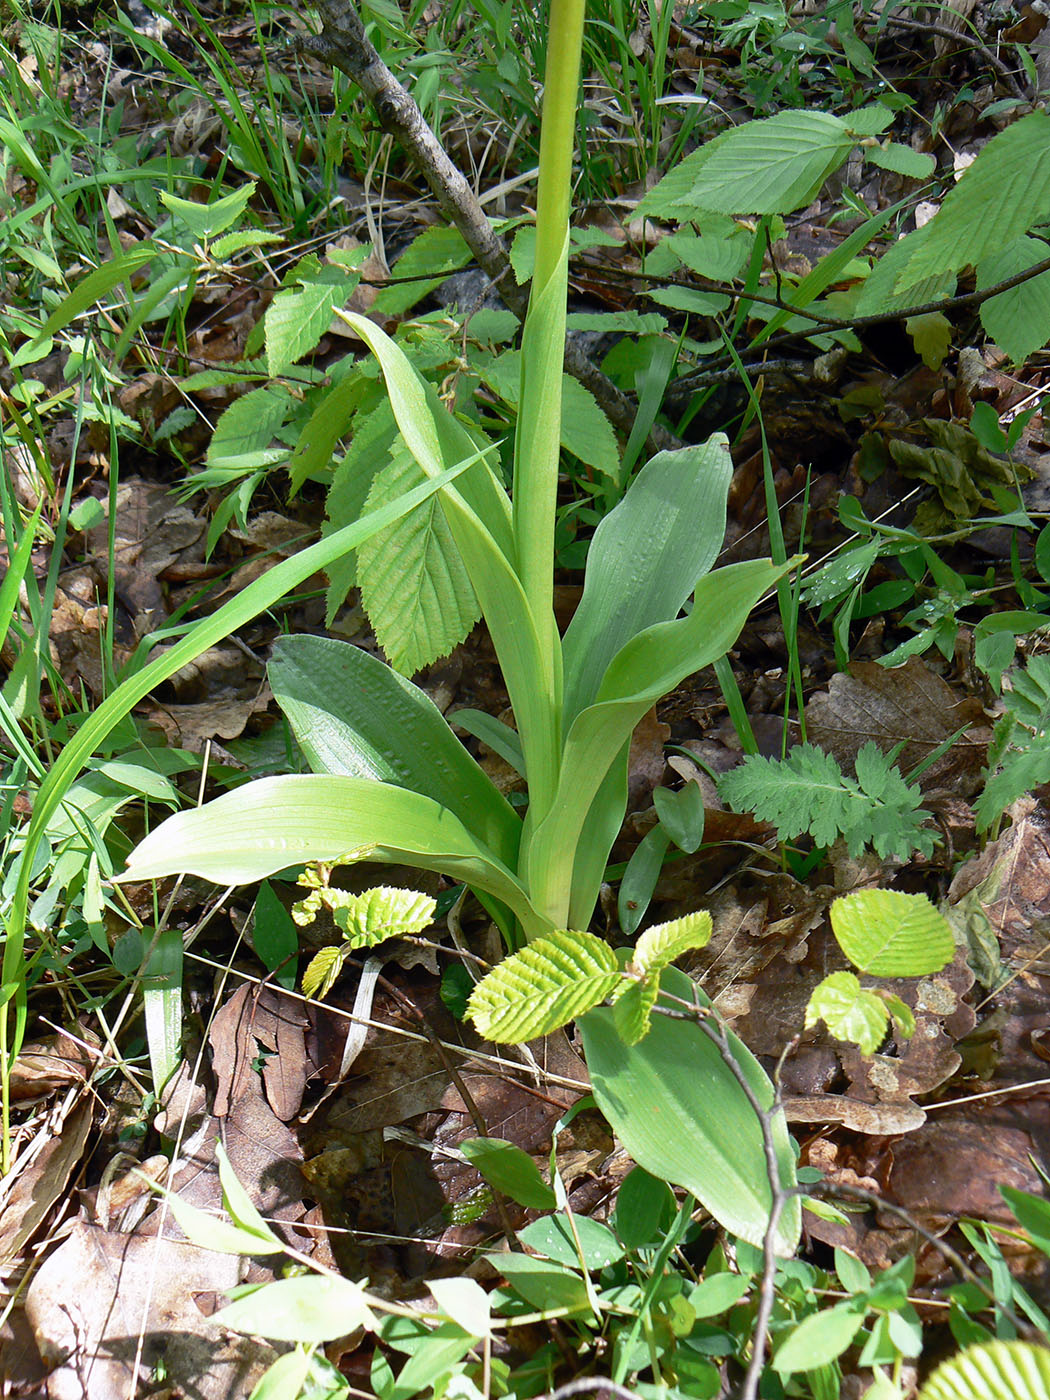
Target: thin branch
x: 344, y: 44
x: 590, y: 1385
x: 972, y: 41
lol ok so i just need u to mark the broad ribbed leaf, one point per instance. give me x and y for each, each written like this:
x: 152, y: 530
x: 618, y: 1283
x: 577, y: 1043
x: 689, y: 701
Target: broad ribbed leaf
x: 992, y: 1371
x: 353, y: 715
x: 543, y: 986
x: 849, y: 1012
x: 265, y: 826
x: 369, y: 450
x: 891, y: 934
x: 772, y: 166
x: 414, y: 585
x: 645, y: 559
x: 383, y: 912
x: 299, y: 315
x: 880, y: 292
x: 1019, y: 319
x: 1004, y: 193
x: 642, y: 672
x: 680, y: 1113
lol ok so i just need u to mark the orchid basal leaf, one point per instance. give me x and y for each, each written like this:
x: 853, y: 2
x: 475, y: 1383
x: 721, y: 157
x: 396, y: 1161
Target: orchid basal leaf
x: 268, y: 825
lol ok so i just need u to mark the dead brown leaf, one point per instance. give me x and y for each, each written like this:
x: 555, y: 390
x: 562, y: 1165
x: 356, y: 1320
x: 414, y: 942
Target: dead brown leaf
x: 259, y: 1022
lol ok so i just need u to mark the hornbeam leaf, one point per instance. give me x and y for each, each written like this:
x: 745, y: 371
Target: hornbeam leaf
x: 891, y: 934
x: 543, y: 986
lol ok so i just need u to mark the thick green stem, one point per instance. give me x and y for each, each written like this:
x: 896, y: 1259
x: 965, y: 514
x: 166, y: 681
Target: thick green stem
x: 539, y: 424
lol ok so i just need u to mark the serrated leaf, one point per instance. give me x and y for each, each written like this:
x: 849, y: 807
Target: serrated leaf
x: 719, y: 259
x: 323, y: 970
x: 771, y: 166
x: 891, y: 934
x: 438, y: 249
x: 1019, y: 771
x: 383, y: 912
x: 992, y: 1371
x: 1004, y: 193
x: 243, y: 434
x: 660, y: 945
x: 543, y: 986
x: 1017, y: 319
x: 414, y: 584
x: 299, y: 316
x: 849, y: 1011
x: 902, y: 160
x: 881, y: 293
x: 1028, y: 694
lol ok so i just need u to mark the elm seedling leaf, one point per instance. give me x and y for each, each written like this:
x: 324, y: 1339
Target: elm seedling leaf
x: 543, y: 986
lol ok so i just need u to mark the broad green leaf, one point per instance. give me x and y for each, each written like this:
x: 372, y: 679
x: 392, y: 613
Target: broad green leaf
x: 849, y: 1012
x: 771, y: 166
x: 542, y: 1282
x: 600, y: 828
x: 695, y: 1129
x: 543, y: 986
x: 465, y: 1302
x: 312, y: 1309
x: 664, y: 199
x: 902, y: 160
x: 891, y: 934
x: 265, y: 826
x: 1004, y: 193
x: 414, y: 585
x: 819, y: 1338
x: 553, y: 1237
x: 355, y: 716
x: 636, y: 891
x: 383, y: 912
x: 585, y: 430
x: 1018, y: 320
x: 299, y: 315
x: 285, y: 1379
x: 312, y: 456
x: 645, y: 560
x: 206, y: 220
x: 245, y: 431
x: 162, y: 1006
x: 852, y: 1274
x: 719, y: 259
x: 445, y: 1348
x: 717, y: 1294
x: 648, y: 667
x: 992, y: 1371
x: 275, y: 938
x: 880, y: 292
x: 644, y: 1208
x: 682, y: 815
x: 509, y: 1170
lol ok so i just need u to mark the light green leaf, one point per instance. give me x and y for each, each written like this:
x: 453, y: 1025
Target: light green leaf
x: 645, y: 559
x: 902, y: 160
x: 265, y: 826
x: 771, y: 166
x: 383, y: 912
x: 1004, y: 193
x: 465, y: 1302
x: 719, y: 259
x: 1018, y: 320
x: 312, y: 1309
x: 237, y: 1201
x: 353, y: 715
x: 299, y: 316
x: 903, y: 1016
x: 414, y: 584
x: 494, y: 734
x: 697, y: 1129
x: 717, y: 1294
x: 819, y: 1338
x: 849, y: 1012
x: 206, y: 220
x: 216, y: 1233
x: 553, y: 1237
x: 542, y: 1282
x: 543, y: 986
x: 246, y: 429
x: 656, y: 949
x: 285, y: 1378
x: 891, y: 934
x: 931, y: 334
x: 585, y: 430
x: 323, y: 970
x: 95, y: 286
x: 880, y: 292
x: 510, y: 1170
x: 682, y: 815
x: 992, y: 1371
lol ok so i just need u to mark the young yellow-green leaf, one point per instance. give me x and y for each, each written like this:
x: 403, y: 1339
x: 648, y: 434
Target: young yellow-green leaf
x: 903, y: 1017
x: 542, y: 987
x: 656, y: 948
x: 323, y: 969
x: 891, y: 934
x: 383, y: 912
x: 931, y: 334
x: 312, y: 1309
x: 849, y: 1012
